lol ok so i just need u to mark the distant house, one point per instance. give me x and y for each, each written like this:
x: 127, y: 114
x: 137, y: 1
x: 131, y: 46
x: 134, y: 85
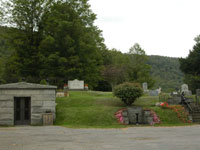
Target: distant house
x: 25, y: 103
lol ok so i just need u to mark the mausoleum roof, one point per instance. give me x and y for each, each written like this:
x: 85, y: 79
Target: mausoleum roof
x: 25, y: 85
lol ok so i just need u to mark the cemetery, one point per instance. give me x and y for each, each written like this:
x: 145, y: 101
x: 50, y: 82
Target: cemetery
x: 32, y: 104
x: 29, y: 104
x: 72, y: 78
x: 70, y: 67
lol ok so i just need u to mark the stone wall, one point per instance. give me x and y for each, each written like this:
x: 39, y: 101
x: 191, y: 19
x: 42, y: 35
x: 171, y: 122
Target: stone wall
x: 42, y: 100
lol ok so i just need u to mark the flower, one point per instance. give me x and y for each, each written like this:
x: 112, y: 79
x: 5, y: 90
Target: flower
x: 164, y: 104
x: 182, y: 114
x: 119, y: 116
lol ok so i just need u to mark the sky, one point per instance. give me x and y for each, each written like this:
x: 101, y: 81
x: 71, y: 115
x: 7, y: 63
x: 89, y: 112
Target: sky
x: 161, y: 27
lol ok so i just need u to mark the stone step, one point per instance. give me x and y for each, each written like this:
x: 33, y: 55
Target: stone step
x: 196, y: 120
x: 195, y: 114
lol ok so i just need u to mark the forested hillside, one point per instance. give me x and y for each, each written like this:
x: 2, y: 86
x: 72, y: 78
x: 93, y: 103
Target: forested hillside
x: 166, y: 72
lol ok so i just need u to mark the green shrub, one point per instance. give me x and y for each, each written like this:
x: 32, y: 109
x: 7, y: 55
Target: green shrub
x: 44, y: 82
x: 163, y: 97
x: 128, y: 92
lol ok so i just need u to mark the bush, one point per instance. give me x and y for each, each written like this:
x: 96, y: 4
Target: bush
x: 44, y: 82
x: 128, y: 92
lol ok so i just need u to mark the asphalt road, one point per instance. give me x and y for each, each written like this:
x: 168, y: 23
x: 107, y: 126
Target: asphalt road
x: 135, y: 138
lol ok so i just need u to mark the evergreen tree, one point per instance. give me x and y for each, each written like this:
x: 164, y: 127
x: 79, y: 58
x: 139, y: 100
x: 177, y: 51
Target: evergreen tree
x: 54, y: 40
x: 190, y: 66
x: 72, y: 44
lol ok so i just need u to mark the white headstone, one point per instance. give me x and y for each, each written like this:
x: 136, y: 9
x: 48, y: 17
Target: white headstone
x: 76, y: 85
x: 184, y: 87
x: 145, y: 86
x: 153, y: 93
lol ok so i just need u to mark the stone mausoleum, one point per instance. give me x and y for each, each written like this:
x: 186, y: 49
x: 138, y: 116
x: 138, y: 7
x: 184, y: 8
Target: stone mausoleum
x: 25, y: 103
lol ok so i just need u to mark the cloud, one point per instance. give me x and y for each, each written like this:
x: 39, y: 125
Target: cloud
x: 161, y: 27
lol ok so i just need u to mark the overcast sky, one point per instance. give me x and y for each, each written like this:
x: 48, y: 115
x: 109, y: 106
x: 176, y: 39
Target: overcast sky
x: 161, y: 27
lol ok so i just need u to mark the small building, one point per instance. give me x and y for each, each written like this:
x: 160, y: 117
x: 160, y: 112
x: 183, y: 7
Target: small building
x: 25, y: 103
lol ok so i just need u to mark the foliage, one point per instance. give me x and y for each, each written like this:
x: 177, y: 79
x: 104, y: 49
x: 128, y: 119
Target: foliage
x: 164, y: 105
x: 97, y: 110
x: 156, y: 119
x: 163, y: 97
x: 119, y: 115
x: 138, y: 69
x: 103, y: 86
x: 54, y: 39
x: 120, y: 119
x: 119, y: 67
x: 128, y: 92
x: 181, y: 113
x: 5, y: 52
x: 190, y: 66
x: 114, y: 75
x: 115, y: 67
x: 44, y: 82
x: 165, y: 71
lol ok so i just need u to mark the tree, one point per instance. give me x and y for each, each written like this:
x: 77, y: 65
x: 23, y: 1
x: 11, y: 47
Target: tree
x: 138, y: 69
x: 190, y: 66
x: 55, y: 40
x: 113, y: 75
x: 115, y: 70
x: 25, y: 18
x: 72, y: 44
x: 128, y: 92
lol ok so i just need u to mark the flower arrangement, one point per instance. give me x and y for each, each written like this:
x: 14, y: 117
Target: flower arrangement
x: 156, y: 119
x: 164, y: 105
x: 120, y: 119
x: 181, y: 113
x: 119, y: 116
x: 65, y: 86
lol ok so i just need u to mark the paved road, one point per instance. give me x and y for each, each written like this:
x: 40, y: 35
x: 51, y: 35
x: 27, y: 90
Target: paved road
x: 136, y: 138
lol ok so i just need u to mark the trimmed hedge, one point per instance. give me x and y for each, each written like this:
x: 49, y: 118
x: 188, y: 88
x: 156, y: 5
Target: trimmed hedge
x: 128, y: 92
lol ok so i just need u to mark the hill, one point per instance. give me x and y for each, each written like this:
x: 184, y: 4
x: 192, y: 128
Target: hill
x: 166, y: 72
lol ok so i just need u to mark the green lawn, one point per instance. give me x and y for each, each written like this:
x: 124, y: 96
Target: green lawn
x: 84, y: 109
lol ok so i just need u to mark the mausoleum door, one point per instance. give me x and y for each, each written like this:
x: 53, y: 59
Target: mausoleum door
x: 22, y: 110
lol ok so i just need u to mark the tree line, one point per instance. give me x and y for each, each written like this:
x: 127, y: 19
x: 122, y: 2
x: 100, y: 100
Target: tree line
x: 57, y: 41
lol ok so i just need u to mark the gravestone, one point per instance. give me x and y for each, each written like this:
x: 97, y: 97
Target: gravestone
x: 184, y: 88
x: 153, y: 93
x: 176, y: 99
x: 76, y: 85
x: 198, y: 92
x: 145, y: 87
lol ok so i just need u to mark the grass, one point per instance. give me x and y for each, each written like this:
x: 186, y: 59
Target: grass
x: 87, y: 109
